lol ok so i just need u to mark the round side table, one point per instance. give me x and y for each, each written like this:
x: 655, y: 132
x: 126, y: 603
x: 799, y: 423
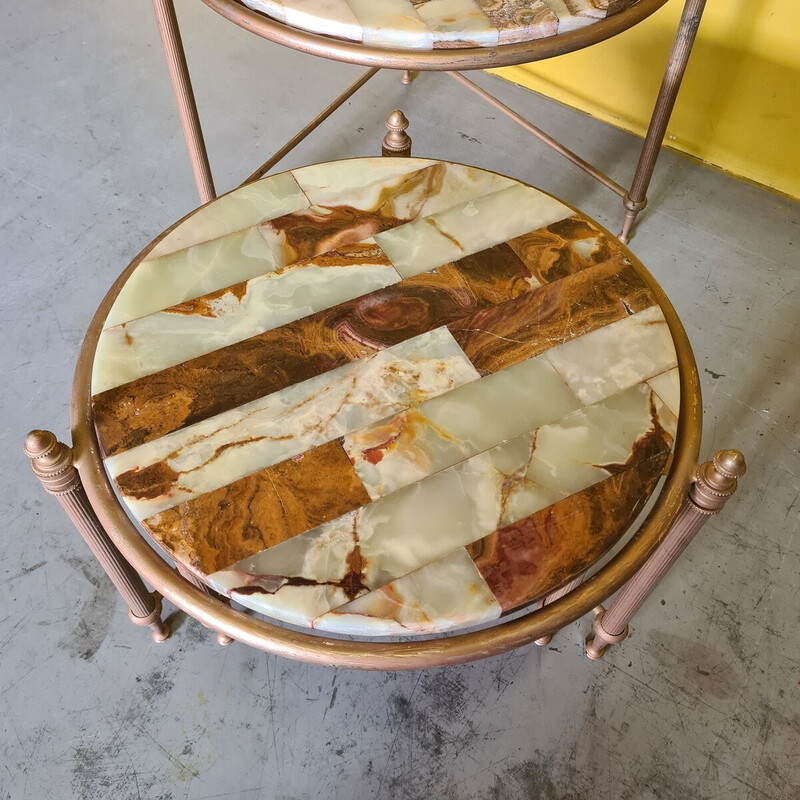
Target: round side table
x: 385, y: 396
x: 439, y: 35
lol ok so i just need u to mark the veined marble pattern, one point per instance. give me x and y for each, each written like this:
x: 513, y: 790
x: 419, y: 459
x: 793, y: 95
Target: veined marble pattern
x: 430, y: 518
x: 202, y: 457
x: 386, y: 396
x: 426, y: 24
x: 181, y: 332
x: 469, y: 227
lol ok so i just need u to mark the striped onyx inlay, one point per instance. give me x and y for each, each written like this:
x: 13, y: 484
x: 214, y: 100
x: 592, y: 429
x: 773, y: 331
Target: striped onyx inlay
x: 386, y: 396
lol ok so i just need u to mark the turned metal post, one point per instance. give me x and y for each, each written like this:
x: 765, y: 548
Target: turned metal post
x: 184, y: 96
x: 715, y: 482
x: 636, y: 198
x: 51, y: 461
x: 396, y: 143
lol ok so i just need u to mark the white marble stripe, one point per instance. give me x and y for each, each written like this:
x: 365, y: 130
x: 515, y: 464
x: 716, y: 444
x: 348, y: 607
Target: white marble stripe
x: 242, y: 208
x: 479, y: 223
x: 667, y: 386
x: 329, y: 17
x: 362, y: 183
x: 446, y: 594
x: 458, y: 22
x: 148, y: 344
x: 407, y: 188
x: 610, y: 358
x: 425, y: 521
x: 392, y: 23
x: 440, y: 432
x: 192, y: 272
x: 243, y: 440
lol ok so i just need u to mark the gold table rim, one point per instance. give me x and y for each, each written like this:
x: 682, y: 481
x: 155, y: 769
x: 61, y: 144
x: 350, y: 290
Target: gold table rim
x: 370, y: 654
x: 456, y: 58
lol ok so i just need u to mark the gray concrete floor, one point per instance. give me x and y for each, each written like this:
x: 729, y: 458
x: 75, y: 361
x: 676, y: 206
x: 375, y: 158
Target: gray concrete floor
x: 702, y: 701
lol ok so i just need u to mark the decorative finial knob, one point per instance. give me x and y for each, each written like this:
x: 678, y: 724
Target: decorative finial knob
x: 715, y: 481
x: 730, y: 463
x: 397, y: 142
x: 51, y: 461
x: 39, y: 443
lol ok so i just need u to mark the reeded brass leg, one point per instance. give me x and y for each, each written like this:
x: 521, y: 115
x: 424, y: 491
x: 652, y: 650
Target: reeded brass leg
x: 636, y: 198
x: 195, y: 581
x: 184, y: 96
x: 396, y: 143
x: 715, y: 482
x: 51, y: 461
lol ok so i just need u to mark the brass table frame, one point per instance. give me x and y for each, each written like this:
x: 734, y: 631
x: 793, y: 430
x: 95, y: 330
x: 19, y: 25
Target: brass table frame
x: 449, y: 60
x: 689, y: 496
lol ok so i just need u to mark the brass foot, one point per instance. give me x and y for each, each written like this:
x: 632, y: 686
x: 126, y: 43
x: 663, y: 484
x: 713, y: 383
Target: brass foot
x: 159, y: 629
x: 632, y: 209
x: 600, y: 639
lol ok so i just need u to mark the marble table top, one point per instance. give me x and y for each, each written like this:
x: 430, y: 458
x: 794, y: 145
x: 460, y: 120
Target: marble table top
x: 385, y: 395
x: 428, y: 24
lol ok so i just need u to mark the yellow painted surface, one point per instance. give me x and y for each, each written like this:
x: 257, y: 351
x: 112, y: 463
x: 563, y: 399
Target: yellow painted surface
x: 739, y: 105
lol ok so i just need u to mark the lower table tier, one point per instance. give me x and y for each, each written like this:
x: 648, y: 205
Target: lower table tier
x: 386, y: 396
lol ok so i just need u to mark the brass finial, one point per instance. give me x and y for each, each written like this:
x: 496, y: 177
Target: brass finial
x: 716, y: 480
x: 396, y: 143
x: 39, y: 444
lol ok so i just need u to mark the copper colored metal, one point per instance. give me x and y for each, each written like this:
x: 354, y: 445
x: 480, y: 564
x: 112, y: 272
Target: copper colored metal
x: 406, y: 77
x: 636, y: 198
x: 52, y: 464
x: 447, y: 58
x: 159, y: 629
x: 313, y: 125
x: 396, y: 143
x: 715, y: 482
x: 327, y: 650
x: 541, y: 135
x: 195, y: 581
x: 553, y: 596
x: 184, y: 96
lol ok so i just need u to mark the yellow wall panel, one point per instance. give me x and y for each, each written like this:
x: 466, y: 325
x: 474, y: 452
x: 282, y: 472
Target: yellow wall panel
x: 739, y: 106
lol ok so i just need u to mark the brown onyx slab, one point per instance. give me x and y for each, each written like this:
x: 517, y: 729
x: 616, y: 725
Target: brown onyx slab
x: 154, y: 405
x: 236, y: 521
x: 564, y: 248
x: 533, y: 322
x: 530, y: 558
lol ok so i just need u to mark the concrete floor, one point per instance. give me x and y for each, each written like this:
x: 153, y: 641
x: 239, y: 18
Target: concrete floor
x: 702, y: 701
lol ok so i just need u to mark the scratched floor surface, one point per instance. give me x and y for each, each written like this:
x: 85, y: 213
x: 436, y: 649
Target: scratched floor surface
x: 702, y: 701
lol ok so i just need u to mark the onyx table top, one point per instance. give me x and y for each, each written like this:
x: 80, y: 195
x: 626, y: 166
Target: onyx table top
x: 433, y: 24
x: 385, y: 395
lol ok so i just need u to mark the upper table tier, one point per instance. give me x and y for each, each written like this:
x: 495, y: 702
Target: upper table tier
x: 385, y: 395
x: 429, y: 24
